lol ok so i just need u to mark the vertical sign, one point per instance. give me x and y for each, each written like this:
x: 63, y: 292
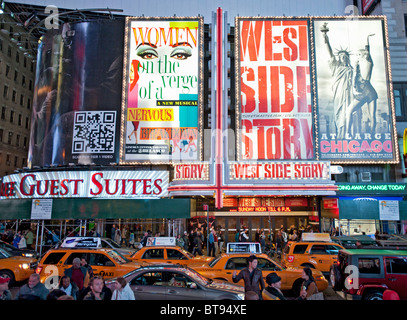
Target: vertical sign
x: 41, y: 209
x: 389, y: 210
x: 355, y: 106
x: 274, y: 95
x: 162, y: 106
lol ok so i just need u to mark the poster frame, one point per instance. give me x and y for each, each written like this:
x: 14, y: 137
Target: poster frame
x: 125, y: 82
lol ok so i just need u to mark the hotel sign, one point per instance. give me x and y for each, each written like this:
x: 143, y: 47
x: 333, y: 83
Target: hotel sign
x: 86, y: 184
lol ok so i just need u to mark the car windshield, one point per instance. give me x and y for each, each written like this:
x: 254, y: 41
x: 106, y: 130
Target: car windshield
x: 112, y: 243
x: 5, y: 254
x: 214, y: 261
x: 117, y: 257
x: 198, y: 277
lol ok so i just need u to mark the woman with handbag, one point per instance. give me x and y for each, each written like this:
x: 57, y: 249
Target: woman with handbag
x: 309, y: 289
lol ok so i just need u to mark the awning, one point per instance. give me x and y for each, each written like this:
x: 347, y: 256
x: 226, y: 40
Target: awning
x: 85, y: 208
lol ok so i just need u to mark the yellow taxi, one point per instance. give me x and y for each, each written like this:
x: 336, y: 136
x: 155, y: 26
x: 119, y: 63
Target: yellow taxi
x: 315, y: 250
x: 105, y: 262
x: 222, y: 268
x: 17, y: 268
x: 164, y: 250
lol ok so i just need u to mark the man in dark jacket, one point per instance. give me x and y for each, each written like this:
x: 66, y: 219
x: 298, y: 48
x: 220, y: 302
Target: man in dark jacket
x: 273, y: 291
x: 78, y: 274
x: 252, y: 276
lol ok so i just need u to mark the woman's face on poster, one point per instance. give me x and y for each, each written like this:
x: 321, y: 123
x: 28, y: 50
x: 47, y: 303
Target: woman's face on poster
x: 180, y: 51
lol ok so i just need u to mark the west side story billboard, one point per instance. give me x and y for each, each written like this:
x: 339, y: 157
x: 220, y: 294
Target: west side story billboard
x: 162, y: 90
x: 314, y: 88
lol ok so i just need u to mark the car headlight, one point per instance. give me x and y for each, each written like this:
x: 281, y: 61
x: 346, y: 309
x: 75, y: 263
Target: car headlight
x: 24, y: 266
x: 28, y: 255
x: 241, y: 296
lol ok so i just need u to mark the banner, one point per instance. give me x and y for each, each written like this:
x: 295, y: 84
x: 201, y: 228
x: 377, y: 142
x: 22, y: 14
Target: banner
x: 274, y: 93
x: 87, y: 184
x: 355, y: 118
x: 77, y: 95
x: 162, y: 105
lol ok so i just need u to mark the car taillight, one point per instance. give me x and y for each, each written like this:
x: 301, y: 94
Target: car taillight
x: 350, y: 281
x: 290, y: 259
x: 38, y: 270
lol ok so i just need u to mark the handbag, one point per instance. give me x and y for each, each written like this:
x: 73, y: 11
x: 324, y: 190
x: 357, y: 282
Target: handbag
x: 316, y: 296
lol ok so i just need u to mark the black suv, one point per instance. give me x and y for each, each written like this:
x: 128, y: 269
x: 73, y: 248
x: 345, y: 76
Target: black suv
x: 374, y: 271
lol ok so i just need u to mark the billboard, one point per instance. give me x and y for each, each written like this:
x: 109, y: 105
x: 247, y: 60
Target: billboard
x: 314, y: 88
x: 355, y: 103
x: 162, y: 90
x: 77, y: 95
x: 274, y: 112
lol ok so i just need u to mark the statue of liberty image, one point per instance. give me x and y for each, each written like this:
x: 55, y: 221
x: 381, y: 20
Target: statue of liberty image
x: 351, y: 87
x: 342, y: 72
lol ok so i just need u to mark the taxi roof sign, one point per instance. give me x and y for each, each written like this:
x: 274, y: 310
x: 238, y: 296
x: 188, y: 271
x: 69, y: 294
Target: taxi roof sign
x: 160, y: 241
x: 243, y: 247
x: 81, y: 242
x: 310, y: 236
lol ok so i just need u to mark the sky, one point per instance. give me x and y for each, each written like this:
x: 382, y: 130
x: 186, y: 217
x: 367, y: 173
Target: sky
x: 205, y: 7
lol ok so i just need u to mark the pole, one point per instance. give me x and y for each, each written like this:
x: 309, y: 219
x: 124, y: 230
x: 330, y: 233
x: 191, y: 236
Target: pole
x: 207, y: 228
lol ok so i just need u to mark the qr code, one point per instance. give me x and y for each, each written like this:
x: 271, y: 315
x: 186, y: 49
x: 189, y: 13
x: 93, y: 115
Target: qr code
x: 94, y: 132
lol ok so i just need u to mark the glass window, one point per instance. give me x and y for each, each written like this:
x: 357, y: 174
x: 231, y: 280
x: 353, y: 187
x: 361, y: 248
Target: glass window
x: 54, y: 258
x: 318, y: 249
x: 400, y: 99
x: 396, y: 265
x: 300, y: 248
x: 177, y: 280
x: 175, y: 254
x: 369, y: 265
x: 333, y: 250
x: 266, y: 265
x: 153, y: 254
x: 236, y: 264
x: 149, y: 279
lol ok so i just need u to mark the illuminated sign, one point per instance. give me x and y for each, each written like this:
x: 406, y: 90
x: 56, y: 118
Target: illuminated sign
x: 162, y: 90
x: 92, y: 184
x: 261, y: 209
x: 330, y: 203
x: 355, y: 102
x: 274, y: 95
x: 335, y: 71
x: 372, y: 188
x: 316, y: 170
x: 192, y: 171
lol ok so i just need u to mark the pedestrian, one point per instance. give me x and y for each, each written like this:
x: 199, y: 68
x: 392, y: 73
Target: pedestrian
x: 197, y: 244
x: 124, y: 237
x: 132, y: 239
x: 237, y: 235
x: 33, y: 290
x: 308, y: 287
x: 5, y: 293
x: 70, y: 288
x: 29, y: 237
x: 96, y: 289
x: 244, y: 237
x: 78, y: 274
x: 85, y: 264
x: 143, y: 240
x: 263, y: 241
x: 23, y: 243
x: 179, y: 241
x: 252, y: 277
x: 216, y: 242
x: 118, y: 236
x: 279, y: 242
x: 211, y: 249
x: 273, y: 291
x: 220, y: 241
x: 123, y: 290
x: 186, y: 240
x: 17, y: 239
x: 113, y: 232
